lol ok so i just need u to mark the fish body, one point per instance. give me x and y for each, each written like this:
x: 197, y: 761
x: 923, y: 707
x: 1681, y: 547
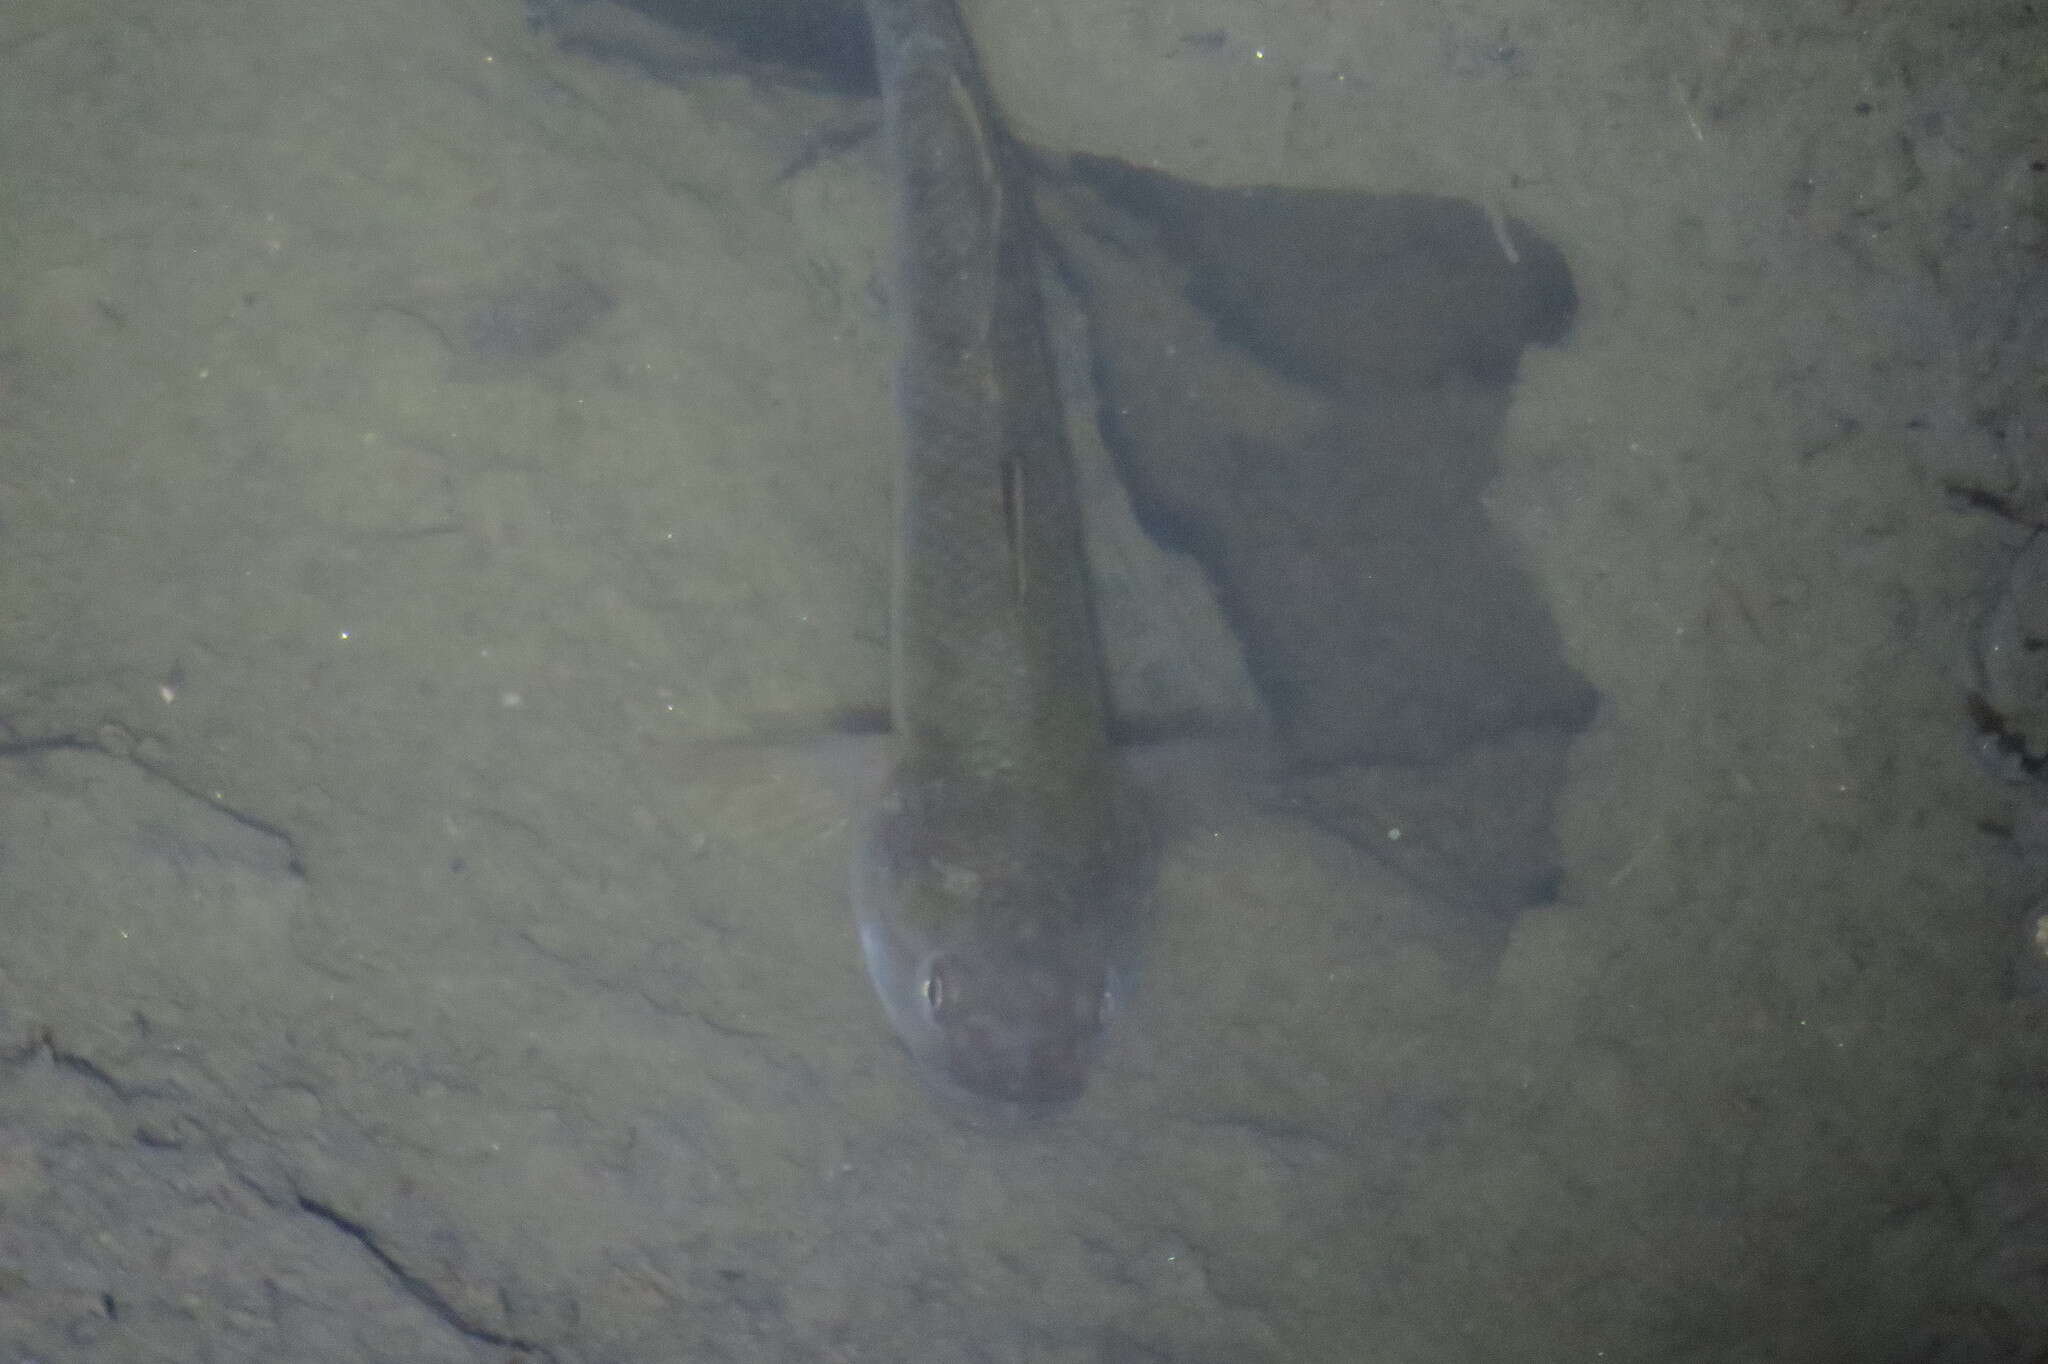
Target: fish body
x: 997, y: 878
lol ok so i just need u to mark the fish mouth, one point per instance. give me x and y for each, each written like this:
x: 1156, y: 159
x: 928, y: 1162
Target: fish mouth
x: 1035, y: 1071
x: 1041, y: 1092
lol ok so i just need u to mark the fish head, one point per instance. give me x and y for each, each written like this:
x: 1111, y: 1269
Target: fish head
x: 999, y: 978
x: 1018, y: 1026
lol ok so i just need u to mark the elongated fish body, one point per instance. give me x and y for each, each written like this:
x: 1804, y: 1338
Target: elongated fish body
x: 997, y: 879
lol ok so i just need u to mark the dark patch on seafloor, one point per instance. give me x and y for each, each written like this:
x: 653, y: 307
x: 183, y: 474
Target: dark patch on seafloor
x: 1303, y: 389
x: 499, y: 327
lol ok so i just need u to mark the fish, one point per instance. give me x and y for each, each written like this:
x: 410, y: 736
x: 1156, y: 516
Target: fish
x: 1000, y: 874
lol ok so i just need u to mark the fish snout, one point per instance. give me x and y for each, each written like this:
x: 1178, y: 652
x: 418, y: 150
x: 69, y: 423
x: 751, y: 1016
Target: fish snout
x: 1024, y: 1037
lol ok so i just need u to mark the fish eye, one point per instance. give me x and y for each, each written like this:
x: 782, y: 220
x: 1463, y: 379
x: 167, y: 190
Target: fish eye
x: 936, y: 992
